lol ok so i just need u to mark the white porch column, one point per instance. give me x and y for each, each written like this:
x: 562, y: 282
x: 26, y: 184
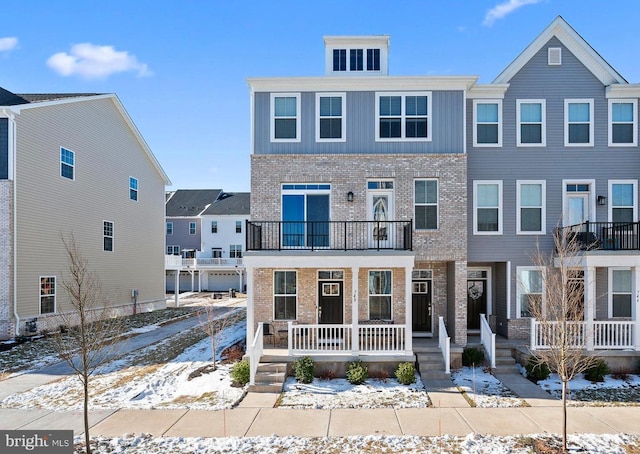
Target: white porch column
x: 250, y: 315
x: 199, y: 281
x: 355, y: 335
x: 408, y: 316
x: 589, y: 304
x: 635, y: 289
x: 192, y: 279
x: 176, y: 288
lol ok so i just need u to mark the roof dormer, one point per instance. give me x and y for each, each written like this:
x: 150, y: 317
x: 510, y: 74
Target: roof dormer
x: 357, y: 55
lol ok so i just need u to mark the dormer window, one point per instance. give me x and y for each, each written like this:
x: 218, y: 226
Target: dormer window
x: 355, y: 59
x: 339, y: 59
x: 357, y: 55
x: 373, y: 59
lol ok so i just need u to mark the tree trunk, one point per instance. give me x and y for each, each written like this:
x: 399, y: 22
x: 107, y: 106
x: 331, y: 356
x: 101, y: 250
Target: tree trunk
x: 564, y: 416
x: 85, y: 384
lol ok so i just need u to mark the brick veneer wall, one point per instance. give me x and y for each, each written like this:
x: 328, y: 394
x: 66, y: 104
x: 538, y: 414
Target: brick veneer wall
x: 7, y: 328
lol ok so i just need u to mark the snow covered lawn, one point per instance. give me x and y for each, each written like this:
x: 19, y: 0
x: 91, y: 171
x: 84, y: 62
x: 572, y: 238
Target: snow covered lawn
x: 169, y: 374
x: 483, y: 389
x: 339, y: 393
x: 585, y: 393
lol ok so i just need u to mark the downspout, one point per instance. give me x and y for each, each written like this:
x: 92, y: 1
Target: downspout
x: 10, y: 114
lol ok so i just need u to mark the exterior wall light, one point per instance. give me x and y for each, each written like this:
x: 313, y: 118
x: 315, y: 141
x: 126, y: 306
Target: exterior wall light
x: 602, y: 200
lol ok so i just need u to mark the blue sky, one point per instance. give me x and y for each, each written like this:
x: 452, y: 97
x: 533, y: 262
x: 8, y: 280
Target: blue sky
x: 180, y: 67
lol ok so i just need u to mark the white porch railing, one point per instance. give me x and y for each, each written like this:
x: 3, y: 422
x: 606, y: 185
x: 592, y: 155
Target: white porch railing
x: 172, y: 261
x: 608, y: 334
x: 444, y: 342
x: 255, y: 353
x: 176, y: 261
x: 337, y: 339
x: 488, y: 340
x: 218, y: 261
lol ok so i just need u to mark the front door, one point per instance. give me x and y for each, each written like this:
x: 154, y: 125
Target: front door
x: 330, y: 302
x: 578, y: 208
x: 476, y: 302
x: 379, y: 213
x: 421, y: 302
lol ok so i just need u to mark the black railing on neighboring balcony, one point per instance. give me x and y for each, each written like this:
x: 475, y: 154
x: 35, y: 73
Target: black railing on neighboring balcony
x: 612, y: 236
x: 329, y: 235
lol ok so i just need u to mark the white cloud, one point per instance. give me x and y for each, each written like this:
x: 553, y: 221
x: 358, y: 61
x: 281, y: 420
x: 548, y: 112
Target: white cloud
x: 95, y: 62
x: 503, y: 9
x: 8, y: 43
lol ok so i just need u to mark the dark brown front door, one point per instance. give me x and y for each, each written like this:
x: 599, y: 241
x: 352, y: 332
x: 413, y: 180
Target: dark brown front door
x: 421, y: 306
x: 330, y: 302
x: 476, y: 302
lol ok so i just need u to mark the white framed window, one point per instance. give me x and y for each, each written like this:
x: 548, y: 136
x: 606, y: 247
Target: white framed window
x: 285, y: 117
x: 356, y: 59
x: 403, y: 116
x: 487, y: 207
x: 330, y: 117
x: 285, y: 295
x: 530, y: 289
x: 373, y: 59
x: 531, y: 202
x: 169, y: 228
x: 620, y: 292
x: 623, y: 122
x: 578, y: 122
x: 216, y: 252
x: 487, y: 123
x: 133, y: 189
x: 623, y: 206
x: 235, y: 251
x: 192, y: 228
x: 47, y: 294
x: 426, y: 204
x: 107, y: 233
x: 173, y: 250
x: 531, y: 118
x: 214, y: 226
x: 67, y: 164
x: 380, y: 294
x: 238, y: 226
x: 339, y: 60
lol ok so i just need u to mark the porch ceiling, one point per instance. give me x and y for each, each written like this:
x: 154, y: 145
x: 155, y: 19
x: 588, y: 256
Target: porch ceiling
x: 330, y: 259
x: 602, y: 259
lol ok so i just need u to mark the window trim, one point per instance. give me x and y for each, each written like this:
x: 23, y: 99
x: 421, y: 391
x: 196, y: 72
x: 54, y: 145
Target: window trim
x: 195, y: 228
x: 543, y: 208
x: 274, y: 294
x: 610, y: 123
x: 543, y: 124
x: 73, y: 166
x: 610, y: 293
x: 169, y: 228
x: 272, y: 112
x: 566, y: 121
x: 437, y: 205
x: 477, y: 102
x: 237, y: 251
x: 380, y: 294
x: 172, y: 248
x: 41, y: 295
x: 105, y: 236
x: 477, y: 183
x: 635, y: 198
x: 343, y: 117
x: 131, y: 188
x: 403, y: 116
x: 519, y: 288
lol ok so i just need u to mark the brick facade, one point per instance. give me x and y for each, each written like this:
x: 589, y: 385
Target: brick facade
x: 7, y: 327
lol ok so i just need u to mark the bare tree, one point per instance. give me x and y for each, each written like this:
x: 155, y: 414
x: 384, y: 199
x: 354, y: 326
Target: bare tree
x: 215, y: 324
x: 559, y: 310
x: 89, y: 331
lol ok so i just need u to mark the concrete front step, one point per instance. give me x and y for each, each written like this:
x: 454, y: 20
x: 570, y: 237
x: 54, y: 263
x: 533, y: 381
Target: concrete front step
x: 266, y: 388
x: 434, y: 375
x: 270, y: 378
x: 506, y: 370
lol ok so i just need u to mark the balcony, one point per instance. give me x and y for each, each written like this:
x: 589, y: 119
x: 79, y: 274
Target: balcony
x: 607, y: 236
x: 176, y: 262
x: 329, y: 235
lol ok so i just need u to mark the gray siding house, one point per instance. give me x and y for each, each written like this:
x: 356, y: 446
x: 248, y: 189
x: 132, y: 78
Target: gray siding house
x: 553, y: 143
x: 75, y: 164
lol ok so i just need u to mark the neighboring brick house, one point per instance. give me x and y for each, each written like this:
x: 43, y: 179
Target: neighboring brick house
x: 358, y: 205
x: 75, y: 164
x: 553, y: 141
x: 205, y: 240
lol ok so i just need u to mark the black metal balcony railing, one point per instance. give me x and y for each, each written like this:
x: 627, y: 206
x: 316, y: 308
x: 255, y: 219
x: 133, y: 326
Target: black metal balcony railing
x: 612, y: 236
x: 329, y: 235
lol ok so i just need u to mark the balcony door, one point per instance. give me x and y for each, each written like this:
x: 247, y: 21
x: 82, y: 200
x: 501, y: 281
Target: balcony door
x: 380, y: 210
x: 578, y: 201
x: 305, y: 215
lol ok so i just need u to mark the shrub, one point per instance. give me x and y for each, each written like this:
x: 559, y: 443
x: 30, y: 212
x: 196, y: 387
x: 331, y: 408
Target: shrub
x: 357, y: 372
x: 597, y: 371
x: 304, y: 369
x: 406, y: 373
x: 241, y: 372
x: 472, y: 356
x: 537, y: 369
